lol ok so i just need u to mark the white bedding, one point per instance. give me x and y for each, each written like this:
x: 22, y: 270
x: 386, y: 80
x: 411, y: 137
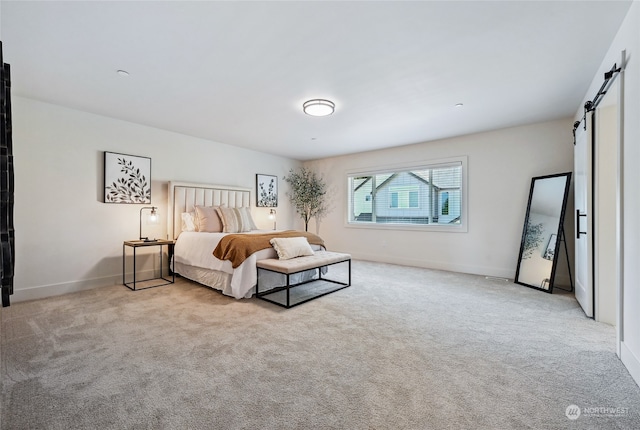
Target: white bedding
x: 196, y: 249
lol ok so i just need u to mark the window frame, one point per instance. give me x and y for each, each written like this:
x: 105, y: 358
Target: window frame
x: 462, y: 227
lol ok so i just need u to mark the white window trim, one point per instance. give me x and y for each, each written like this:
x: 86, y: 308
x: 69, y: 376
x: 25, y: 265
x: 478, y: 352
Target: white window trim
x: 463, y: 227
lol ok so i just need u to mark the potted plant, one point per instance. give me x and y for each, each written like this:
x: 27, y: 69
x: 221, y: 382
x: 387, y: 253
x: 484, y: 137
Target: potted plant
x: 307, y: 193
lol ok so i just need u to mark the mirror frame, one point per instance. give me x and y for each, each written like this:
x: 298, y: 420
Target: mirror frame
x: 559, y: 231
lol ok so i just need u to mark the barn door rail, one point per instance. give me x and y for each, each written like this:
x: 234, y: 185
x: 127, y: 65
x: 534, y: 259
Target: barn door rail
x: 591, y: 105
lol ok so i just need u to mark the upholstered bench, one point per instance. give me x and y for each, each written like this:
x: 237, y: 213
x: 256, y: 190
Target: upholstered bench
x: 319, y: 262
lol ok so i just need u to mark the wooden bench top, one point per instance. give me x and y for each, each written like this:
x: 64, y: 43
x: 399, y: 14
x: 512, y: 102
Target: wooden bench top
x: 298, y: 264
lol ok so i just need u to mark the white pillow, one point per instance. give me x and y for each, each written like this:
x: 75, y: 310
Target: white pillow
x: 291, y: 247
x: 247, y: 220
x: 188, y: 223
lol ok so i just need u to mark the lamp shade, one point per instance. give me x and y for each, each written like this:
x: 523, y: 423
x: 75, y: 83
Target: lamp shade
x: 272, y: 216
x: 318, y: 107
x: 153, y: 217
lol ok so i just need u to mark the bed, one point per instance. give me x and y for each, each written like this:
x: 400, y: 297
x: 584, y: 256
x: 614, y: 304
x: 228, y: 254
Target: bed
x: 193, y: 251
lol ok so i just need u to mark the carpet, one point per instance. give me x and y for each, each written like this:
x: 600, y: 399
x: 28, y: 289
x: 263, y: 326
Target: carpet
x: 402, y: 348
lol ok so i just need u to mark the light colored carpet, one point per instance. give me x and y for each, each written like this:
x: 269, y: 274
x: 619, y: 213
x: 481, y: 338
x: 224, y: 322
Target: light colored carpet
x: 403, y: 348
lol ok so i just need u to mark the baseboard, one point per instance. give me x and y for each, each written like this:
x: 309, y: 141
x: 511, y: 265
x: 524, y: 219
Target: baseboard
x: 438, y: 265
x: 43, y: 291
x: 631, y: 362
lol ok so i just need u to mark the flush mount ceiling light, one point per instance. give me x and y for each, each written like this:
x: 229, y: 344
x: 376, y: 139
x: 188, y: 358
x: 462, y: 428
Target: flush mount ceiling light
x: 123, y: 72
x: 318, y: 107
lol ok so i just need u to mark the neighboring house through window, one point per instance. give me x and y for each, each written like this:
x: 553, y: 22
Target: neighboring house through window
x: 428, y: 195
x: 404, y: 197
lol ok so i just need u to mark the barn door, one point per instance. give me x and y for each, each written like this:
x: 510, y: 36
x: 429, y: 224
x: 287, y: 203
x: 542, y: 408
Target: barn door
x: 584, y: 225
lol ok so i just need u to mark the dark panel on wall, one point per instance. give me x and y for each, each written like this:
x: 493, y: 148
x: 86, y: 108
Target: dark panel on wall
x: 7, y: 233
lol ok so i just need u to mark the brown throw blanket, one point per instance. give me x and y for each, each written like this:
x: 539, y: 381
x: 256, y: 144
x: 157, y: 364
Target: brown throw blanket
x: 238, y: 247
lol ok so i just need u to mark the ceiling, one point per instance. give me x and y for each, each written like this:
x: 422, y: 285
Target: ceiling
x: 238, y: 72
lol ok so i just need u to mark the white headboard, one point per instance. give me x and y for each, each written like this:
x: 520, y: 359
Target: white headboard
x: 184, y: 196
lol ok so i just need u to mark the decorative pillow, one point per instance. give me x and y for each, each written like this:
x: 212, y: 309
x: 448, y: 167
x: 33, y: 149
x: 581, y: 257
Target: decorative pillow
x: 188, y: 223
x: 247, y: 220
x: 291, y: 247
x: 207, y: 219
x: 232, y: 220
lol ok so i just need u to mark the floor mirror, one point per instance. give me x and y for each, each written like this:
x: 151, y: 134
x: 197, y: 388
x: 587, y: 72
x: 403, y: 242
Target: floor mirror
x: 543, y: 231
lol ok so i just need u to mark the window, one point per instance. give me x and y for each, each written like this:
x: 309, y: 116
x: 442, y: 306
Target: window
x: 404, y: 197
x: 444, y: 203
x: 427, y: 195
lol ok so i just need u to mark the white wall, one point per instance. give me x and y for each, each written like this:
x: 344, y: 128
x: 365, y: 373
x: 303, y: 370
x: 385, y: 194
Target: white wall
x: 628, y: 38
x: 500, y: 167
x: 66, y: 238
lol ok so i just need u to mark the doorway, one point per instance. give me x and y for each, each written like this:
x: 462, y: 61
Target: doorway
x: 606, y: 217
x: 597, y: 168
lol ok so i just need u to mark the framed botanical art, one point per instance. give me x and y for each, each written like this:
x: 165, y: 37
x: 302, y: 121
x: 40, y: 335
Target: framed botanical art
x: 127, y: 178
x: 266, y: 191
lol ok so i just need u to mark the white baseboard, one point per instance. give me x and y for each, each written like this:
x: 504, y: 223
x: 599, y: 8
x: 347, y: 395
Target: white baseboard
x: 631, y: 362
x: 438, y: 265
x: 43, y: 291
x: 562, y: 281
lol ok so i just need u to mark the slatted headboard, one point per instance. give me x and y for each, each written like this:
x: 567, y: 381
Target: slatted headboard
x: 184, y: 196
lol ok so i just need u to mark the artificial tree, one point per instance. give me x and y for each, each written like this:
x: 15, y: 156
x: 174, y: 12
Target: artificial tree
x: 307, y: 193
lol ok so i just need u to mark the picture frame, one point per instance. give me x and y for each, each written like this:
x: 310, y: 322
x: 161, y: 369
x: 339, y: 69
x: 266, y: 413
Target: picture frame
x: 266, y: 191
x: 127, y: 178
x: 550, y: 251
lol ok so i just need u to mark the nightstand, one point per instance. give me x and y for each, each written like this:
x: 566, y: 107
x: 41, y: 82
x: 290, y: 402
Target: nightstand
x: 135, y: 244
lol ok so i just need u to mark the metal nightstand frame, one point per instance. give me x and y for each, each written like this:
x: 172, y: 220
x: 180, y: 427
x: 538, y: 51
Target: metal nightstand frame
x: 135, y: 244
